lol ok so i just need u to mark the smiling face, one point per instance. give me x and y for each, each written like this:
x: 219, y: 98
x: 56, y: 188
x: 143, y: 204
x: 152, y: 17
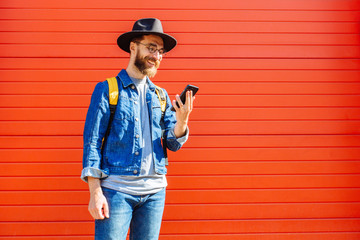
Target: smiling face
x: 146, y: 62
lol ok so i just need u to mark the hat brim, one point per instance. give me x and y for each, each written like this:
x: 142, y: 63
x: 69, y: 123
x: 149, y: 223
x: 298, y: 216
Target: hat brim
x: 123, y: 40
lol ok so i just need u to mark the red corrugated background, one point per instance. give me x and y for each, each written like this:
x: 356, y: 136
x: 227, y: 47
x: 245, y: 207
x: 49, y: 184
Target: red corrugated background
x: 274, y: 148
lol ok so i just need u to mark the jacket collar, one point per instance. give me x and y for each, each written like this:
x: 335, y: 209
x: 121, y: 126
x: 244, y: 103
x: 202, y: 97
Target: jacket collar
x: 126, y: 80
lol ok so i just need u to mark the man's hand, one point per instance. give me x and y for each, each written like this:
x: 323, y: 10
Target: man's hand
x: 183, y: 113
x: 98, y: 206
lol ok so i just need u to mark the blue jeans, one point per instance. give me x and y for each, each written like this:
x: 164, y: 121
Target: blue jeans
x: 143, y: 214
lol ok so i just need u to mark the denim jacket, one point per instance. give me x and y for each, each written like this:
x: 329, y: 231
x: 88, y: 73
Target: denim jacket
x: 121, y: 154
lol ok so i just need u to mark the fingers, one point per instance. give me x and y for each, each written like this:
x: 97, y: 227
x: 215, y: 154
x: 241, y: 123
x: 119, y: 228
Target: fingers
x: 98, y: 207
x: 178, y: 100
x: 106, y: 209
x: 96, y: 213
x: 174, y: 104
x: 189, y: 99
x: 177, y: 103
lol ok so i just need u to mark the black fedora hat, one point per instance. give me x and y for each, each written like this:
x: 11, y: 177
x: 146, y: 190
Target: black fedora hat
x: 143, y: 27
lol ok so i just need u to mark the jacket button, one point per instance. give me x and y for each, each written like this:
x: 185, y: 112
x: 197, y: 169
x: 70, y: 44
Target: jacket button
x: 132, y: 87
x: 136, y: 119
x: 135, y: 171
x: 135, y: 102
x: 136, y: 153
x: 137, y: 136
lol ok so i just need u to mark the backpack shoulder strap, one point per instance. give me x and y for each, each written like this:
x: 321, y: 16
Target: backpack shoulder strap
x: 162, y: 98
x: 113, y: 90
x: 113, y: 99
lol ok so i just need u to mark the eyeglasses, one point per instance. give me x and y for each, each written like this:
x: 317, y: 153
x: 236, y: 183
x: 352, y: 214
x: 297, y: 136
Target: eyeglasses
x: 152, y: 49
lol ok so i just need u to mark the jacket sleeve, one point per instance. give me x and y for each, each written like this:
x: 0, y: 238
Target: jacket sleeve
x: 96, y: 123
x: 172, y: 142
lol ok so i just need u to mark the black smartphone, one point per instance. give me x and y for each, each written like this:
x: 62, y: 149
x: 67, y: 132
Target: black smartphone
x: 189, y: 87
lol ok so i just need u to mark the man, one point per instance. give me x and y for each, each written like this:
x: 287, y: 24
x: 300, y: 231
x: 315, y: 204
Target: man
x: 126, y: 173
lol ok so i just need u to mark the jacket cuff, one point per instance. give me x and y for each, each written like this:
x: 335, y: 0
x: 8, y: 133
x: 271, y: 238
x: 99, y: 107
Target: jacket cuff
x: 92, y: 172
x: 180, y: 140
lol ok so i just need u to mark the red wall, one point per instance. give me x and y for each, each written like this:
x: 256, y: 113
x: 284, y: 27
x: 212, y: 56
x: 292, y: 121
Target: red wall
x: 274, y: 149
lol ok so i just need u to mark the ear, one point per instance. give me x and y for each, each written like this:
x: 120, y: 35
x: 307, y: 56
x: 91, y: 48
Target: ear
x: 132, y: 47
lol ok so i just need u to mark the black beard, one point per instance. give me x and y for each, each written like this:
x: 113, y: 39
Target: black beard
x: 140, y: 64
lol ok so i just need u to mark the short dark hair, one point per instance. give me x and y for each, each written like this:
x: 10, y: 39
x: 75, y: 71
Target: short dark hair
x: 138, y: 38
